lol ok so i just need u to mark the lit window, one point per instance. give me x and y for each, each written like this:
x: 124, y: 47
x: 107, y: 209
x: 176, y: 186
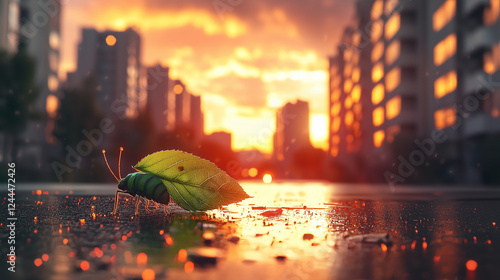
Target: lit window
x: 347, y: 86
x: 51, y: 105
x: 336, y: 81
x: 54, y: 40
x: 445, y: 84
x: 335, y: 95
x: 13, y: 16
x: 349, y: 118
x: 376, y: 31
x: 357, y: 109
x: 390, y: 5
x: 348, y: 102
x: 377, y: 72
x: 356, y: 93
x: 393, y: 107
x: 445, y: 49
x: 52, y: 83
x: 392, y: 132
x: 393, y: 79
x: 347, y: 54
x: 445, y: 117
x: 378, y: 93
x: 355, y: 58
x: 444, y: 15
x: 492, y: 12
x: 491, y: 60
x: 355, y: 74
x: 347, y: 70
x: 392, y: 53
x: 392, y: 26
x: 377, y: 9
x: 53, y: 61
x: 378, y: 116
x: 377, y: 51
x: 335, y: 124
x: 378, y: 138
x: 335, y: 109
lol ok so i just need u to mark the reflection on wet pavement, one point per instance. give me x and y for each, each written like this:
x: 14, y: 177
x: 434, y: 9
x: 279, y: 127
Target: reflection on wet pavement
x: 286, y: 231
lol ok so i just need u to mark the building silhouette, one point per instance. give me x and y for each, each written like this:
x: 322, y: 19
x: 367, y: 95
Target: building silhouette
x: 158, y: 96
x: 187, y: 111
x: 406, y: 69
x: 292, y: 130
x: 9, y: 25
x: 113, y: 58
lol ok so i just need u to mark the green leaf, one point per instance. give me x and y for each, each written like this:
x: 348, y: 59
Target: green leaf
x: 192, y: 182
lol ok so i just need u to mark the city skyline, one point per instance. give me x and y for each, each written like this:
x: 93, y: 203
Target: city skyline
x: 249, y: 73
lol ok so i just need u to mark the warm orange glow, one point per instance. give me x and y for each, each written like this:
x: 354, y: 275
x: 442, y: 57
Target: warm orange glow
x: 142, y: 259
x: 348, y: 103
x: 471, y: 265
x: 148, y: 274
x: 335, y: 124
x: 378, y: 93
x: 182, y: 255
x: 65, y: 241
x: 178, y: 89
x: 349, y: 118
x: 347, y: 85
x: 335, y: 95
x: 492, y: 12
x: 252, y: 172
x: 82, y: 221
x: 445, y: 117
x: 393, y: 79
x: 491, y: 59
x: 45, y: 257
x: 377, y: 72
x: 383, y: 247
x: 377, y: 9
x: 38, y: 262
x: 335, y: 109
x: 111, y: 40
x: 445, y: 84
x: 392, y: 53
x: 356, y: 72
x: 444, y: 14
x: 84, y: 265
x: 267, y: 178
x: 376, y: 30
x: 378, y: 116
x: 392, y: 26
x: 389, y: 6
x: 445, y: 49
x: 189, y: 267
x: 356, y: 93
x: 39, y: 192
x: 377, y: 51
x: 348, y: 69
x: 393, y: 107
x: 378, y: 138
x: 52, y: 83
x: 318, y: 130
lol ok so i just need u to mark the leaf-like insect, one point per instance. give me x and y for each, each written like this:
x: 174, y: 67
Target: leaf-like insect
x: 193, y: 183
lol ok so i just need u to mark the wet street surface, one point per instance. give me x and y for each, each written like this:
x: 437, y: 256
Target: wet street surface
x: 286, y: 231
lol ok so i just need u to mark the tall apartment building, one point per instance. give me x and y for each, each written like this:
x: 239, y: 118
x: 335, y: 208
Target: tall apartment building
x: 427, y: 59
x: 158, y: 96
x: 187, y: 110
x: 292, y: 130
x: 113, y: 58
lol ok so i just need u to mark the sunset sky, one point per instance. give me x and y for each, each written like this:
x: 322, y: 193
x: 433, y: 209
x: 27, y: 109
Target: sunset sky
x: 244, y: 59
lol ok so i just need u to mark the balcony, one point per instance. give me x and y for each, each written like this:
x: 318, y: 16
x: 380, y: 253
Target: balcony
x: 479, y: 82
x: 471, y: 6
x: 479, y: 39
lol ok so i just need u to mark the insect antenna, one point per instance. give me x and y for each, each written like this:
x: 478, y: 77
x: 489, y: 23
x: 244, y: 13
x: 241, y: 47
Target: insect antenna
x: 107, y: 164
x: 119, y: 162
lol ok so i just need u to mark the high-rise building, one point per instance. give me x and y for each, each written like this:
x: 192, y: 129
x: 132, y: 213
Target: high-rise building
x: 113, y: 59
x: 158, y: 91
x: 38, y: 34
x: 221, y: 138
x: 427, y: 60
x: 292, y: 130
x: 188, y: 114
x: 9, y: 25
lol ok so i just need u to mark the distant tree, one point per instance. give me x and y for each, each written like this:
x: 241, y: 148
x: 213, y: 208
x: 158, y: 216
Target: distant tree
x: 18, y: 95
